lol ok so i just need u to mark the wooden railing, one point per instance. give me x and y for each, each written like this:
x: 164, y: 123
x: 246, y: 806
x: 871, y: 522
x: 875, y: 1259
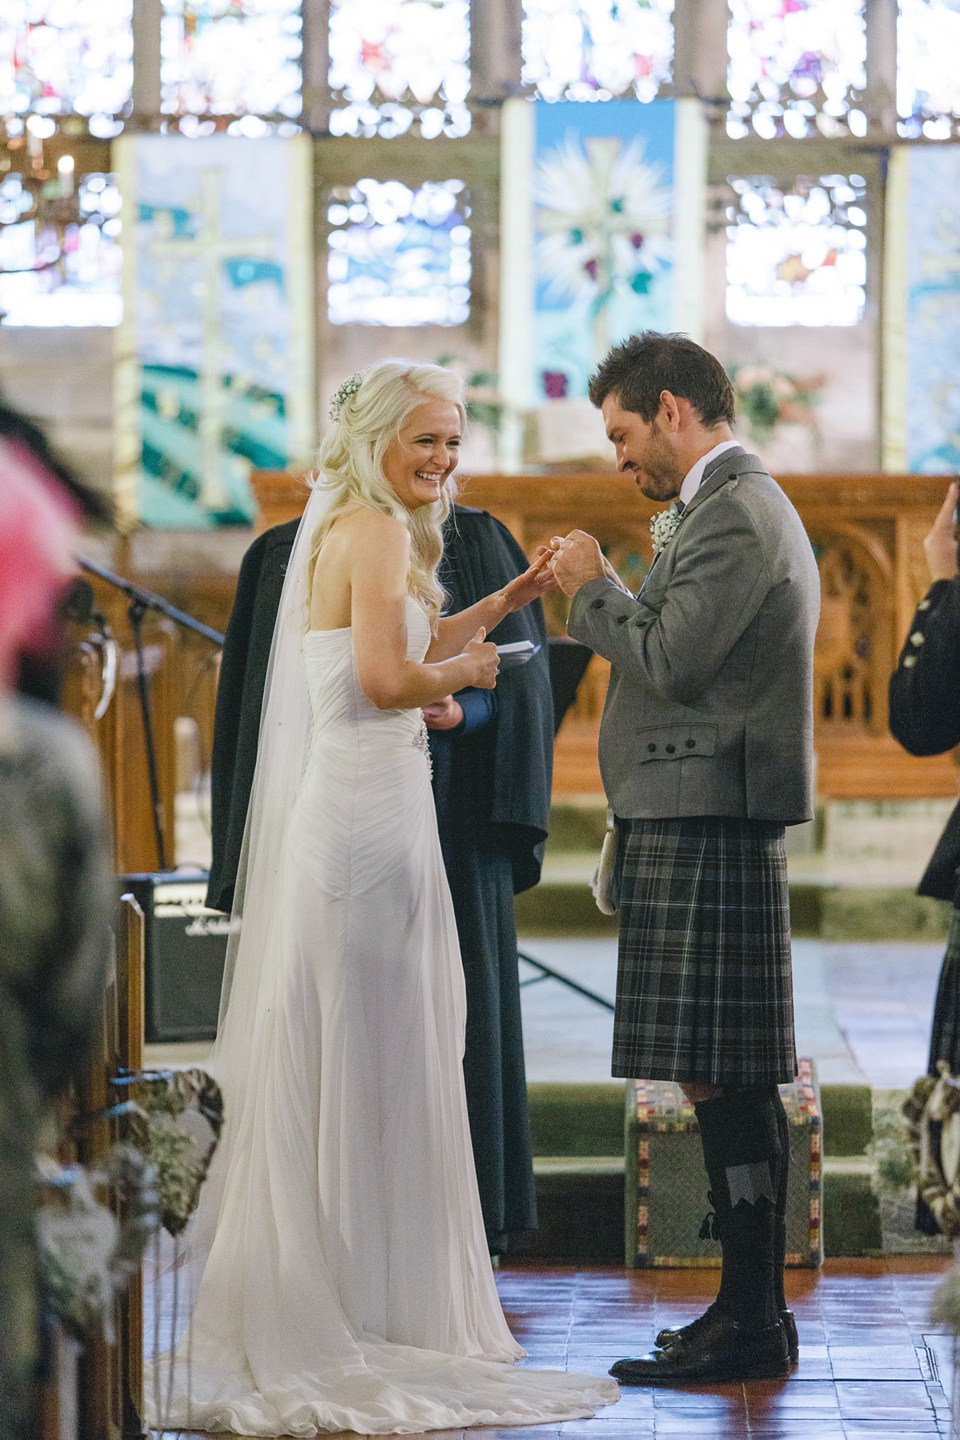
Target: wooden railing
x: 867, y: 532
x: 102, y: 1397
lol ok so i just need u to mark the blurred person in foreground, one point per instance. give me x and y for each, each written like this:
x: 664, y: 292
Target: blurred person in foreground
x: 54, y: 902
x: 925, y: 719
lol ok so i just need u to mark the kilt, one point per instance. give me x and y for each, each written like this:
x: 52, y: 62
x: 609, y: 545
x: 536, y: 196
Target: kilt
x: 704, y: 985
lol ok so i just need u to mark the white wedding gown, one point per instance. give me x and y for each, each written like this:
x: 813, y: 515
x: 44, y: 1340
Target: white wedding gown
x: 347, y: 1284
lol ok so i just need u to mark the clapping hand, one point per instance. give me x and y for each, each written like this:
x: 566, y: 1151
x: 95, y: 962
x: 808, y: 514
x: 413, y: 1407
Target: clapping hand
x: 940, y: 546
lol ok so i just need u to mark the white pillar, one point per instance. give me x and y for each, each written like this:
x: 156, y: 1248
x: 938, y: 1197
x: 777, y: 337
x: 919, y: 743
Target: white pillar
x: 515, y: 363
x: 691, y: 137
x: 881, y: 97
x: 127, y: 441
x: 893, y: 380
x: 315, y: 65
x: 302, y: 400
x: 146, y: 59
x: 495, y: 42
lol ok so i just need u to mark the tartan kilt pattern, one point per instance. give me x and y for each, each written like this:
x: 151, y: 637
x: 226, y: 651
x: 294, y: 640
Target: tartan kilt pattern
x: 704, y: 987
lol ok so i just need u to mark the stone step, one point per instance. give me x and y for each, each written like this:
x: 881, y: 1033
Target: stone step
x: 577, y: 1134
x: 564, y: 906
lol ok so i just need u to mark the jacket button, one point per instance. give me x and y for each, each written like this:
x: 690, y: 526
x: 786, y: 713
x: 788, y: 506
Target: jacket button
x: 597, y: 604
x: 622, y: 619
x: 669, y: 749
x: 690, y: 744
x: 651, y: 747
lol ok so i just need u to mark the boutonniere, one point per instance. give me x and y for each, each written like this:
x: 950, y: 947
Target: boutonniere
x: 664, y: 526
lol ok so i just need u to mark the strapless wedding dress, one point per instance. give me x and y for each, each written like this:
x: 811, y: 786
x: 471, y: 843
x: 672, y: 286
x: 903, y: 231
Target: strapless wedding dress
x: 348, y: 1285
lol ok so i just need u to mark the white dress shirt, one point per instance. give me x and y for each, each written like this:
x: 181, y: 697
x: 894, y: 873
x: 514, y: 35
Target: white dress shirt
x: 694, y: 476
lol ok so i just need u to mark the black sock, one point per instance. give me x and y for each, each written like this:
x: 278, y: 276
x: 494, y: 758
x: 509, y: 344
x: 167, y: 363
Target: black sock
x: 741, y: 1142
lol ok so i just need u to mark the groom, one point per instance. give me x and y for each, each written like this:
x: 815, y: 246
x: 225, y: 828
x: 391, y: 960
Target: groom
x: 706, y: 754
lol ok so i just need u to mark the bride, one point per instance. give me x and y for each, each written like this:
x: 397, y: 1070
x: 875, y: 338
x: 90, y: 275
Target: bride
x: 345, y: 1282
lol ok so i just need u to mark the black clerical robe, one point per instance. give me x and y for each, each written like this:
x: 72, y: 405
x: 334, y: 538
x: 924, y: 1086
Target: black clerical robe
x: 492, y: 787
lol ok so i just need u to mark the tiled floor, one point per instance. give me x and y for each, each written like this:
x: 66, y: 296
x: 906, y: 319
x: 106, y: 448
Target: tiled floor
x: 871, y: 1364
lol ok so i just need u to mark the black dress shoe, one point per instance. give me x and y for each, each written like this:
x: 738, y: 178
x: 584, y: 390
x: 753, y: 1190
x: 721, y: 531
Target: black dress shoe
x: 724, y: 1352
x: 669, y: 1336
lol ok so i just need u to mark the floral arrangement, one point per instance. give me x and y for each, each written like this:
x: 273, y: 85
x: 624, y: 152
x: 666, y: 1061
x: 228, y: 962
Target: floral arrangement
x: 767, y: 398
x: 349, y: 387
x: 176, y: 1128
x: 664, y: 526
x: 85, y: 1254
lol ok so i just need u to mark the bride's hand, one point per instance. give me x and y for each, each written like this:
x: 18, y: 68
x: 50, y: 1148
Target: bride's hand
x: 487, y: 661
x: 535, y: 581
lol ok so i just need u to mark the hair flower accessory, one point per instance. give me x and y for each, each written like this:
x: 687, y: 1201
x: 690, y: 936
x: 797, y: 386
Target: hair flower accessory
x: 349, y: 387
x: 664, y: 526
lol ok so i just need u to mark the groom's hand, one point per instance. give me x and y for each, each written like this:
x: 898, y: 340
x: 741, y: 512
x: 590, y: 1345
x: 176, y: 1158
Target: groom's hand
x: 577, y: 558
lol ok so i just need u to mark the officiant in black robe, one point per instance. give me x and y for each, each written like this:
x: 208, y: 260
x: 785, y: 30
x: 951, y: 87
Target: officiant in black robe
x: 491, y: 778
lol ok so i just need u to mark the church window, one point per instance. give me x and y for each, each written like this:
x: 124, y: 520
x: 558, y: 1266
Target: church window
x: 796, y: 68
x: 928, y: 80
x: 66, y: 57
x: 400, y: 65
x: 595, y: 49
x: 60, y: 252
x: 398, y: 256
x: 230, y: 57
x: 796, y: 254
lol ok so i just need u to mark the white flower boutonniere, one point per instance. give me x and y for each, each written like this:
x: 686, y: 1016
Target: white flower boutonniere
x: 664, y: 526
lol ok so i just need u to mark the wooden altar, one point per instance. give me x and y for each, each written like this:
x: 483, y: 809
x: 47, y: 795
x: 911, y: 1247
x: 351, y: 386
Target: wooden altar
x: 866, y: 531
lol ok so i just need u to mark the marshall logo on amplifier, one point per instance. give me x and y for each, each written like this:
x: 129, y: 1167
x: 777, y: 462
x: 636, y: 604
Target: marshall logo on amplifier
x: 186, y: 944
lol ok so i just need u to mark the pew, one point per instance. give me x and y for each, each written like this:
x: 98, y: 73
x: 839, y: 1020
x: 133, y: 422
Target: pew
x: 98, y: 1395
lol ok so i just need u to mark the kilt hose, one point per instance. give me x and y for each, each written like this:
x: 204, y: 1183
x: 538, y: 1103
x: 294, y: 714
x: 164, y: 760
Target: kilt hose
x: 704, y: 986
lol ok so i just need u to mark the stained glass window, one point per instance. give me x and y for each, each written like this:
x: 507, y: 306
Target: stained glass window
x: 65, y: 56
x: 595, y: 49
x: 928, y: 76
x: 230, y: 57
x: 60, y: 250
x: 398, y: 256
x: 797, y: 255
x: 796, y: 67
x: 397, y: 62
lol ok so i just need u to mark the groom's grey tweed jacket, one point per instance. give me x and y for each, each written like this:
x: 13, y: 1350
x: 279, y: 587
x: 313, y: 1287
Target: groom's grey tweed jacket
x: 710, y: 705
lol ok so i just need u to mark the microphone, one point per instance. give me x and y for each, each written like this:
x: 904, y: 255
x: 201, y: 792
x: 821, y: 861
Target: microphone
x: 79, y: 604
x: 77, y: 601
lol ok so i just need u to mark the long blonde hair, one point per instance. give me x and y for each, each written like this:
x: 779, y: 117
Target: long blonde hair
x: 351, y: 464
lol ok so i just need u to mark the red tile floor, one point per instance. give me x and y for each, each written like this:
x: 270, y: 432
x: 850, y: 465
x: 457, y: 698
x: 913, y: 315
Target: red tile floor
x: 871, y: 1363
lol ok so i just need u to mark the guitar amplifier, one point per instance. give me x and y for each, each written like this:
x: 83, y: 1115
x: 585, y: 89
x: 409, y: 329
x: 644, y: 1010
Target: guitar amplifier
x: 186, y: 945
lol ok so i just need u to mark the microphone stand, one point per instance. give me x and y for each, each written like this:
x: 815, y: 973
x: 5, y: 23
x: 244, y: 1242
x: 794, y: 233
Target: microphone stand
x: 142, y: 601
